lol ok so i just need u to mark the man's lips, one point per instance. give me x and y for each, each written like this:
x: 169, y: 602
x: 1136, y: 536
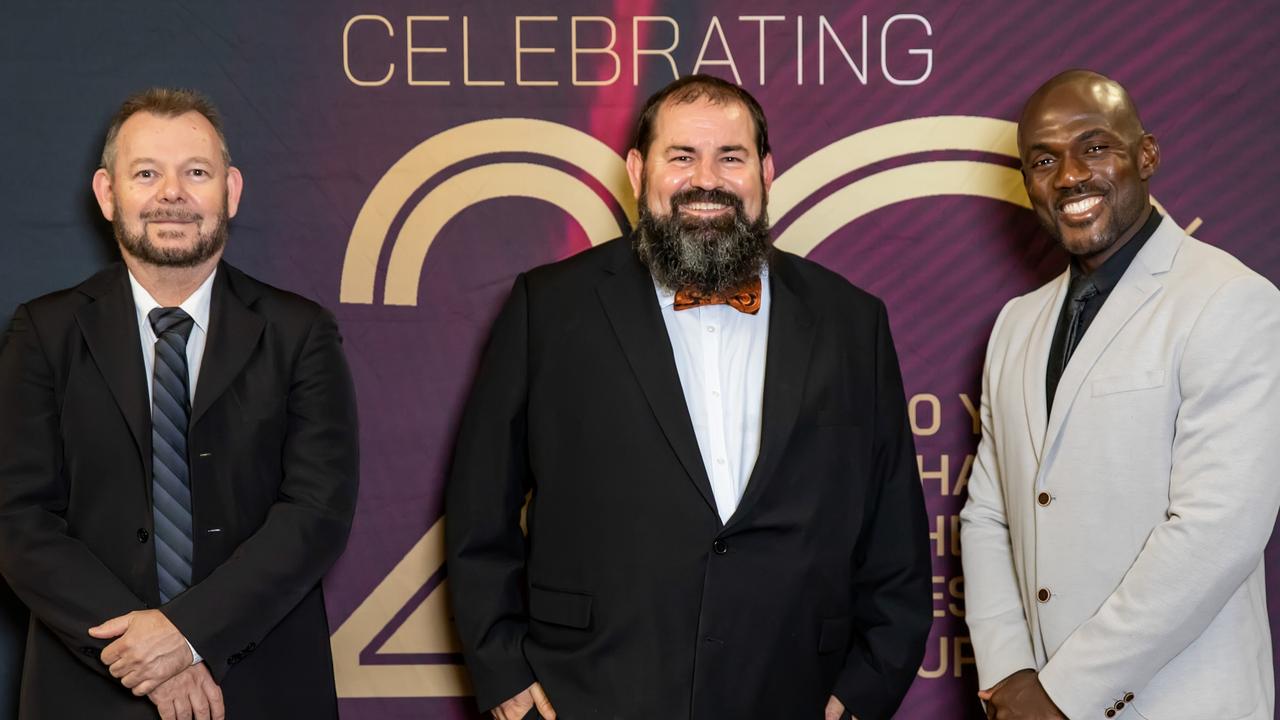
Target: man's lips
x: 703, y: 208
x: 1081, y: 209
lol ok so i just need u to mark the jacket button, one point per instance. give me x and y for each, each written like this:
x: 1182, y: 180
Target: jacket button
x: 1128, y: 697
x: 720, y: 547
x: 1043, y: 595
x: 1119, y: 705
x: 143, y: 535
x: 1111, y: 712
x: 1044, y: 498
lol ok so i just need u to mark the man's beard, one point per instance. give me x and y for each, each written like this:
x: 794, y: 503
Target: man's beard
x: 709, y: 255
x: 207, y: 244
x: 1120, y: 218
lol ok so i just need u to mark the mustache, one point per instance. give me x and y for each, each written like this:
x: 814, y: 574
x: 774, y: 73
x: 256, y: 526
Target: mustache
x: 1081, y: 189
x: 170, y: 215
x: 699, y: 195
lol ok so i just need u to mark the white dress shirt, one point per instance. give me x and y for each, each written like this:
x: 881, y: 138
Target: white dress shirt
x: 197, y: 306
x: 720, y: 356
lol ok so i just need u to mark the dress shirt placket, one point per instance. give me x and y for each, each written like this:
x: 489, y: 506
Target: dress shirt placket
x: 721, y: 472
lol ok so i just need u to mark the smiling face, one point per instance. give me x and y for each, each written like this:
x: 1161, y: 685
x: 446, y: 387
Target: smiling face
x: 1085, y: 164
x: 169, y: 193
x: 702, y: 191
x: 700, y: 151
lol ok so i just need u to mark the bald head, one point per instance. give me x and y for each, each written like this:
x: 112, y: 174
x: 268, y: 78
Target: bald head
x: 1086, y: 161
x: 1080, y: 91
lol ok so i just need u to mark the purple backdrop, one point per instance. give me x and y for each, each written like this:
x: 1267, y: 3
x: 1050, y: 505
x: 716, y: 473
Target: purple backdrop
x: 326, y: 101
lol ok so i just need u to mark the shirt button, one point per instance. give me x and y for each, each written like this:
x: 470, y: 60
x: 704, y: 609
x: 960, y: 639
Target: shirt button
x: 720, y: 547
x: 711, y: 328
x: 1044, y: 498
x: 719, y: 461
x: 1043, y: 595
x: 143, y: 535
x: 715, y: 393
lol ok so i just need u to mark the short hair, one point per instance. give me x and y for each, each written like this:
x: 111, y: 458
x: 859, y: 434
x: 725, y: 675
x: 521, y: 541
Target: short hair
x: 165, y: 102
x: 692, y: 88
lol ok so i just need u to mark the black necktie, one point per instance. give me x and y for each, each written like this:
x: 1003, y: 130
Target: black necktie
x: 1079, y: 293
x: 171, y: 486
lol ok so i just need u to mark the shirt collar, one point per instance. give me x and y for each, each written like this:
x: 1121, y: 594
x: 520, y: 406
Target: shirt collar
x: 667, y: 298
x: 1106, y: 277
x: 197, y: 305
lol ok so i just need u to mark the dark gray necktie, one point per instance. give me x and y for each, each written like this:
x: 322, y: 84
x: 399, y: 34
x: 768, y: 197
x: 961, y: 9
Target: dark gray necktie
x: 1081, y: 291
x: 171, y: 486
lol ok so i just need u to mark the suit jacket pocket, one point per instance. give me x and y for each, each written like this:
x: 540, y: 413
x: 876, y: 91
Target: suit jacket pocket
x: 834, y: 636
x: 560, y: 608
x: 1137, y: 380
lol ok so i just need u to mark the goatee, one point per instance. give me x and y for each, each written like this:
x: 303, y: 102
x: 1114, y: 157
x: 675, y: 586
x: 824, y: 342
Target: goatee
x: 709, y: 255
x: 207, y: 244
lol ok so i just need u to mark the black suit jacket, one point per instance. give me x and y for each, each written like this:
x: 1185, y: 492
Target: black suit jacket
x: 629, y: 598
x: 273, y: 461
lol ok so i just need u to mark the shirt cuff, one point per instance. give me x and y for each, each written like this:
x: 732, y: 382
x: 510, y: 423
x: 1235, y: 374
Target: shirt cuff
x: 195, y: 656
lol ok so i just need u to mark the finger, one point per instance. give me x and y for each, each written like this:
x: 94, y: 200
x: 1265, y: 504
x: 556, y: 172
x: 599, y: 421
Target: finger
x: 199, y: 703
x: 985, y: 694
x: 217, y: 710
x: 182, y: 707
x: 112, y: 652
x: 119, y: 669
x: 541, y: 702
x: 111, y: 628
x: 167, y: 711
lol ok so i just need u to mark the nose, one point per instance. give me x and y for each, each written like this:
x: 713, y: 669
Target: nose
x: 171, y: 190
x: 1072, y: 172
x: 705, y: 175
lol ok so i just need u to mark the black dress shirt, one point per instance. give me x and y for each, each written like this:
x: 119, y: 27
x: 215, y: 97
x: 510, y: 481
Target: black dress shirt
x: 1104, y: 280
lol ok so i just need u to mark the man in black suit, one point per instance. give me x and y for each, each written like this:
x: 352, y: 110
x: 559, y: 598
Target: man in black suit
x: 178, y: 456
x: 724, y: 514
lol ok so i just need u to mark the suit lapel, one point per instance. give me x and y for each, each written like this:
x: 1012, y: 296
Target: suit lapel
x: 632, y: 308
x: 791, y: 334
x: 110, y: 329
x: 1136, y: 287
x: 1036, y: 359
x: 234, y: 331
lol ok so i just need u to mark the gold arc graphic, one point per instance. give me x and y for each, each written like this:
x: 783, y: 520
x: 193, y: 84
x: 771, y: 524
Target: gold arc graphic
x: 459, y: 144
x: 473, y: 186
x: 429, y: 627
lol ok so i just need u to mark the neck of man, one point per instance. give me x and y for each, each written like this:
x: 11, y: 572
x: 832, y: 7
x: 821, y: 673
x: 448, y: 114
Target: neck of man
x: 170, y: 286
x: 1091, y: 263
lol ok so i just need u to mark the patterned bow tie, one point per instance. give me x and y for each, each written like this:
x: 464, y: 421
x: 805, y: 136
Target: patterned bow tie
x: 745, y: 299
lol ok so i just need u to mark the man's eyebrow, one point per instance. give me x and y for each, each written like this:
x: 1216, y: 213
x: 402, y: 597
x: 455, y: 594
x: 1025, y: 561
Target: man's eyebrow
x: 1090, y: 134
x: 682, y: 148
x: 733, y: 148
x: 152, y: 161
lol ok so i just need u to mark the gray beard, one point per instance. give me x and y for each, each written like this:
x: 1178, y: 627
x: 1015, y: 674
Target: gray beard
x: 710, y: 256
x: 207, y: 244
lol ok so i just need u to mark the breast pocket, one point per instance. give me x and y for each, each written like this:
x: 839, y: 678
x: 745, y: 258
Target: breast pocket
x: 1128, y: 382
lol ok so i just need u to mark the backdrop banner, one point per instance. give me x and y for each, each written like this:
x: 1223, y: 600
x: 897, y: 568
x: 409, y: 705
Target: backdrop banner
x: 405, y: 159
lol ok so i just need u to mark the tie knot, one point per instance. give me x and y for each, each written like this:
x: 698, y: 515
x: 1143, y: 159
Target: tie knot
x: 170, y: 320
x: 1082, y: 288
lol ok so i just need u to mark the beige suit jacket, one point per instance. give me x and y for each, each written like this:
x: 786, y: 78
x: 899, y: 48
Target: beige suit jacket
x: 1116, y: 545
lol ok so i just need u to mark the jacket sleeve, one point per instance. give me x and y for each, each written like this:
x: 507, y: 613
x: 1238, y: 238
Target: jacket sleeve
x: 891, y: 577
x: 305, y: 529
x: 1223, y: 498
x: 993, y: 602
x: 486, y: 490
x: 66, y: 586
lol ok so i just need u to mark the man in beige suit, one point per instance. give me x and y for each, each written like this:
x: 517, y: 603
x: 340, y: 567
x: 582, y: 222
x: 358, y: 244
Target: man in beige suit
x: 1126, y: 485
